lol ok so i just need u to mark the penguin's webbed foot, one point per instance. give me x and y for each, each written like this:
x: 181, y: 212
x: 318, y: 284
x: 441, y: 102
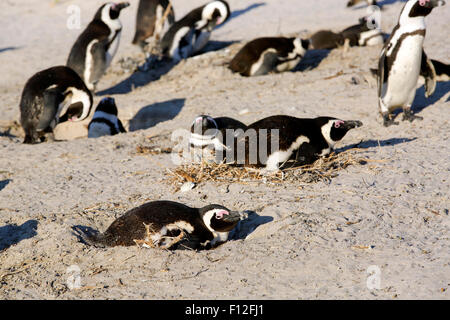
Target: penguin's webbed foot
x: 408, y: 115
x: 387, y: 121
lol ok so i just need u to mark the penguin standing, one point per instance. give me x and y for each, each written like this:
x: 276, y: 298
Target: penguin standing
x: 304, y: 139
x: 208, y: 131
x: 50, y: 97
x: 150, y: 20
x: 264, y: 55
x: 105, y: 121
x: 95, y: 48
x: 403, y: 59
x: 196, y: 228
x: 191, y: 34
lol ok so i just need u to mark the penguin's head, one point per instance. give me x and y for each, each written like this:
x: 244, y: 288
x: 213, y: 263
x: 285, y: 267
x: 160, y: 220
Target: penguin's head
x: 107, y: 105
x: 205, y: 126
x: 301, y: 46
x: 421, y: 8
x: 110, y: 11
x: 215, y: 13
x: 333, y: 130
x: 220, y: 219
x: 77, y: 104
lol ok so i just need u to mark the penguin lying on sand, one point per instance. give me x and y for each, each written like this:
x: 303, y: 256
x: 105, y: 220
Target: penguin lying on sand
x: 208, y: 131
x: 264, y: 55
x: 403, y: 59
x: 50, y: 97
x: 169, y: 225
x: 305, y: 139
x: 365, y: 33
x: 150, y: 20
x: 191, y: 34
x: 105, y: 121
x: 94, y: 49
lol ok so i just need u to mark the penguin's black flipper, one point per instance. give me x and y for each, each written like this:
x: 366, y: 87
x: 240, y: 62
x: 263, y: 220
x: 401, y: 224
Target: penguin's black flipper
x: 382, y: 67
x: 52, y: 98
x: 429, y: 73
x: 121, y: 128
x: 99, y: 52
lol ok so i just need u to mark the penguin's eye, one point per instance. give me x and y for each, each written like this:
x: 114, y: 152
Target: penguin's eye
x: 221, y: 213
x: 338, y: 124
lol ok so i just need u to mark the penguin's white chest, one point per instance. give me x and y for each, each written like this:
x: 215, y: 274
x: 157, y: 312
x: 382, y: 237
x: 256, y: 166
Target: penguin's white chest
x: 404, y: 74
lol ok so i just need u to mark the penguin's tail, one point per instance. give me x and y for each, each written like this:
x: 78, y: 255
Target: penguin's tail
x: 89, y: 236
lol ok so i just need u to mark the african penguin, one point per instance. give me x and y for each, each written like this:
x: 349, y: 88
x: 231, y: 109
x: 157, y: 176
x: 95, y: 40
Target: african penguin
x: 270, y: 54
x: 305, y: 140
x: 105, y: 121
x: 357, y: 35
x: 202, y: 227
x: 94, y: 49
x: 50, y: 97
x: 208, y: 131
x: 402, y: 59
x: 352, y: 3
x: 150, y: 20
x: 191, y: 34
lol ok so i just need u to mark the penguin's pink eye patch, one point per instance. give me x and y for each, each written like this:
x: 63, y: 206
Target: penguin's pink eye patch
x: 423, y: 2
x: 221, y: 213
x: 198, y: 120
x: 338, y: 124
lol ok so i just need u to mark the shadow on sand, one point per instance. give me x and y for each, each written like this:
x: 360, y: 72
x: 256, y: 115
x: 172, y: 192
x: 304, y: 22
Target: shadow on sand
x: 12, y: 234
x: 247, y: 226
x: 421, y: 102
x: 237, y: 13
x: 4, y: 183
x: 149, y: 116
x: 375, y: 143
x: 311, y: 60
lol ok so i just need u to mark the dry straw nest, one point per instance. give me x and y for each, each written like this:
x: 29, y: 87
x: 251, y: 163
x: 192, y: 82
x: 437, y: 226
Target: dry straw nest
x: 324, y: 169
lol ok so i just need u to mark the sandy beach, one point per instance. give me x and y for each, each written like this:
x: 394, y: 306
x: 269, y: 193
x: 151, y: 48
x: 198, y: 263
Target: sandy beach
x: 385, y: 219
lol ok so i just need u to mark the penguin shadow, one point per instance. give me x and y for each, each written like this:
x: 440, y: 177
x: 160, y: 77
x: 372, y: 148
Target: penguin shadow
x: 380, y: 4
x: 368, y: 144
x: 4, y: 183
x: 8, y: 49
x: 237, y: 13
x: 149, y: 116
x: 213, y: 46
x: 139, y: 79
x: 312, y: 59
x: 421, y: 102
x: 12, y: 234
x: 247, y: 226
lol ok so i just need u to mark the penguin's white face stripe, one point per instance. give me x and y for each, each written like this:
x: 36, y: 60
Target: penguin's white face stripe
x: 281, y: 156
x: 299, y: 50
x: 113, y: 25
x: 326, y: 133
x: 218, y: 145
x: 218, y: 236
x: 255, y: 67
x: 89, y: 65
x: 76, y: 96
x: 208, y: 11
x: 174, y: 49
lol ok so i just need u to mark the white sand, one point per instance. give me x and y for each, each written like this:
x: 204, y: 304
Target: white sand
x: 309, y: 239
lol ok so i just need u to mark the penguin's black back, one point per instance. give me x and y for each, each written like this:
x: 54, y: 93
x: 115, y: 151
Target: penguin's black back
x: 290, y: 128
x: 326, y: 39
x: 251, y: 52
x: 146, y: 18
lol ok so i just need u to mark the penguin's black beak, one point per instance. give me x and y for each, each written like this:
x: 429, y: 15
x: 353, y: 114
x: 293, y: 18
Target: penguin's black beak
x: 121, y: 5
x: 235, y: 216
x: 351, y: 124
